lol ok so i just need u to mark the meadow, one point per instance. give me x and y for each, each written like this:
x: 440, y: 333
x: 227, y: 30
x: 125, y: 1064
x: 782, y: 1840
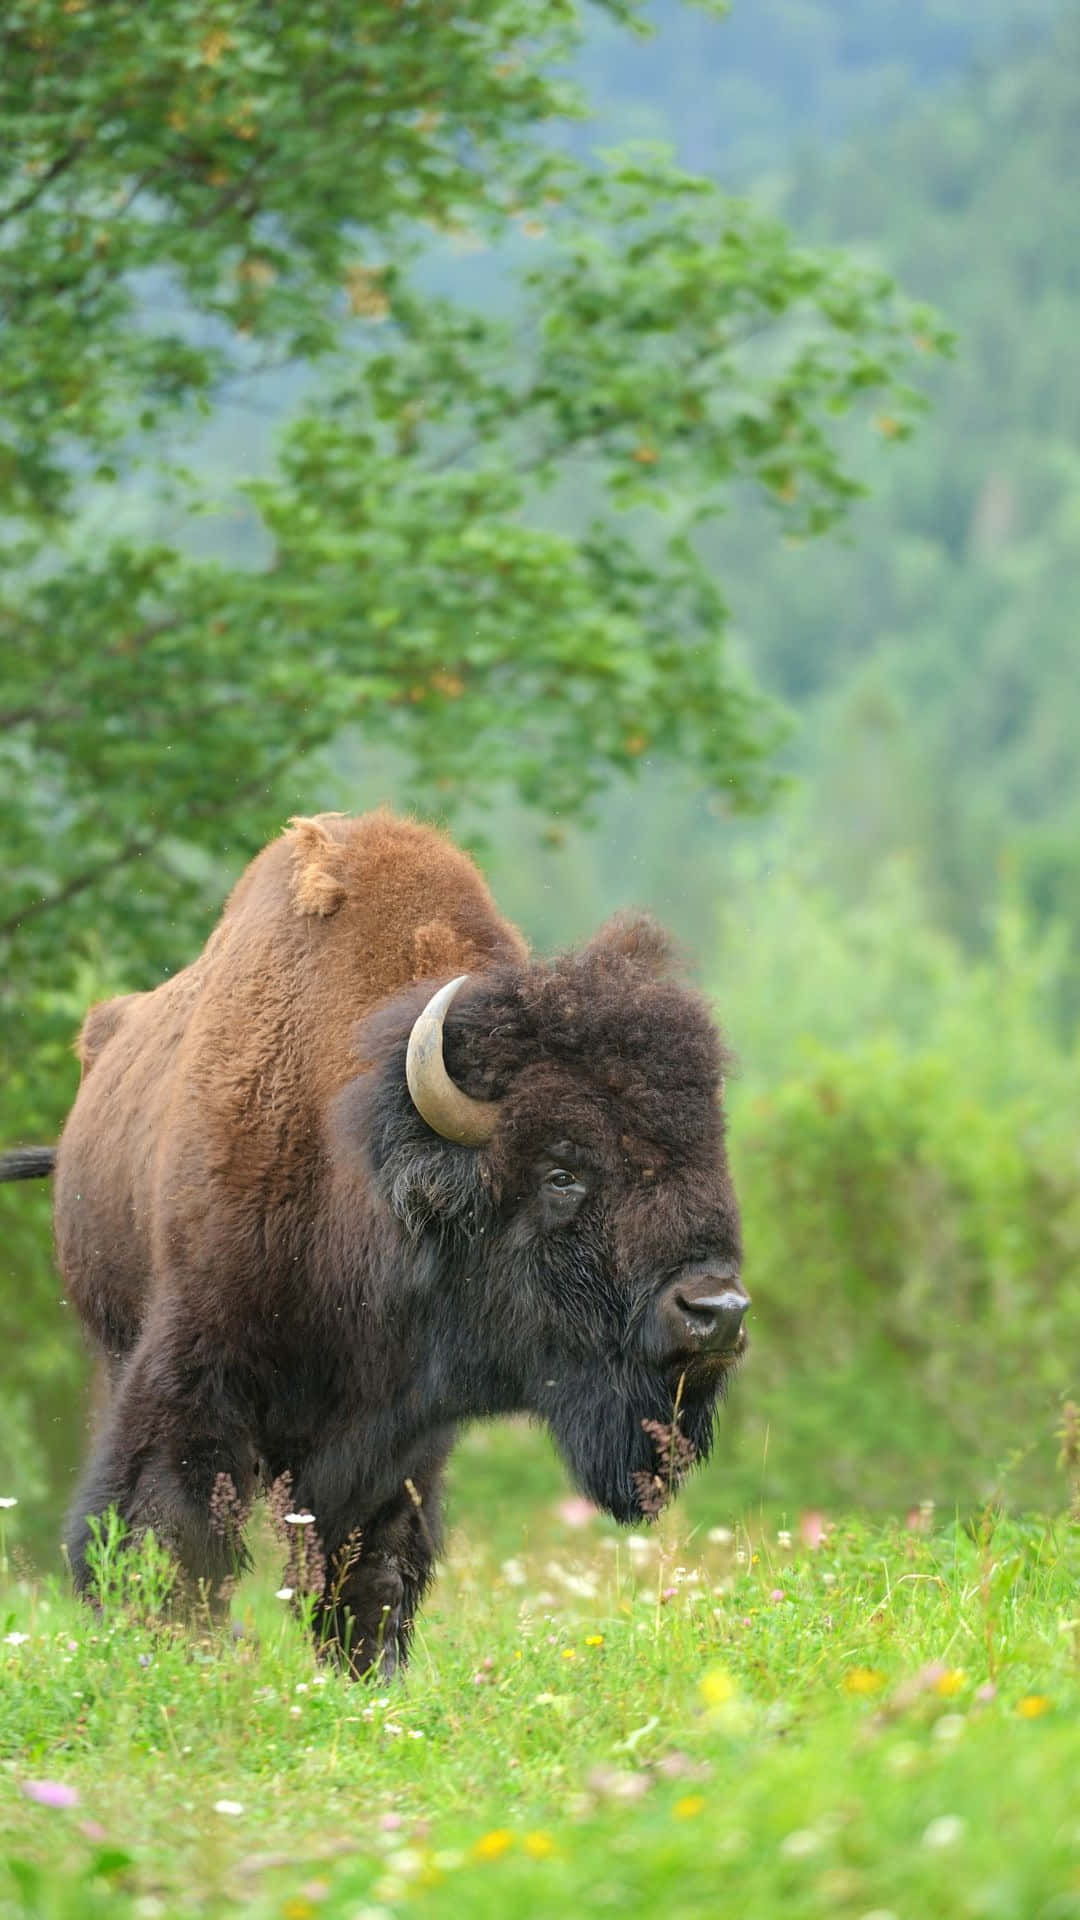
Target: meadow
x: 824, y: 1717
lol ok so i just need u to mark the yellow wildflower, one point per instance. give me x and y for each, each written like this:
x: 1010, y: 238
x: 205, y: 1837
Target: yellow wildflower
x: 538, y: 1845
x: 594, y: 1639
x: 491, y: 1846
x: 863, y: 1680
x: 717, y: 1687
x: 953, y: 1680
x: 1032, y: 1705
x: 689, y: 1806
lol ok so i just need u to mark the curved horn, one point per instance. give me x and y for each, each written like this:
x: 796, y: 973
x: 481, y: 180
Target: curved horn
x: 437, y: 1100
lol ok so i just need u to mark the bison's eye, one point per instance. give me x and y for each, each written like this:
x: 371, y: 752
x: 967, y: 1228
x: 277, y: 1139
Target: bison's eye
x: 560, y: 1187
x: 562, y: 1179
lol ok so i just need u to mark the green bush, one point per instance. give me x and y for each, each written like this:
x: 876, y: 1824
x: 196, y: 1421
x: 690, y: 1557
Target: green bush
x: 904, y: 1146
x: 912, y: 1250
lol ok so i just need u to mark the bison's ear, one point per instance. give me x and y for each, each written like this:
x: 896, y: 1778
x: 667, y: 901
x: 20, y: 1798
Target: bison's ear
x: 438, y: 949
x: 318, y: 883
x: 638, y: 938
x: 100, y: 1024
x: 437, y: 1191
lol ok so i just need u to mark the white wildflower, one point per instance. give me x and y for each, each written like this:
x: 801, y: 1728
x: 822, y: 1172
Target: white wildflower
x: 944, y: 1832
x: 284, y: 1593
x: 406, y: 1861
x: 232, y: 1807
x: 582, y: 1585
x: 388, y: 1888
x: 800, y: 1844
x: 8, y: 1500
x: 16, y: 1639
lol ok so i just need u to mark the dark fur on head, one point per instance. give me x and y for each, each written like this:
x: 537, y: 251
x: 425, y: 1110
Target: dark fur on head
x: 601, y: 1053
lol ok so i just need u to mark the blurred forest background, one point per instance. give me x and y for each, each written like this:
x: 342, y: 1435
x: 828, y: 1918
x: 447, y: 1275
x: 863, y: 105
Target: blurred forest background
x: 366, y: 435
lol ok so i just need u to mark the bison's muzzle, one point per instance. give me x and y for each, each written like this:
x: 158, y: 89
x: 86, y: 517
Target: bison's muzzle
x: 702, y: 1313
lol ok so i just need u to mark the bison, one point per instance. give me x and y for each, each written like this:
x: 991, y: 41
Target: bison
x: 365, y: 1170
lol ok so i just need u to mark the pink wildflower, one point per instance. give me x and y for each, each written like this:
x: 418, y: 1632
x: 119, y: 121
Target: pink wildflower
x: 811, y: 1528
x: 50, y: 1793
x: 576, y: 1512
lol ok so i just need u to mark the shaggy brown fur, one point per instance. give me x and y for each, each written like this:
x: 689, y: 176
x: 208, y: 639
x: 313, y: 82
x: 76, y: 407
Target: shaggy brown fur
x: 288, y: 1272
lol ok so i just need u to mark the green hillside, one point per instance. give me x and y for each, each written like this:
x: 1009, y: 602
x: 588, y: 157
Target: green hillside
x: 934, y: 657
x: 928, y: 653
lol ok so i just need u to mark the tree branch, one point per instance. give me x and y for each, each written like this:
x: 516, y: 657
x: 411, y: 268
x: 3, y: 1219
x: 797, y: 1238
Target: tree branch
x: 76, y: 885
x: 44, y: 181
x: 134, y: 849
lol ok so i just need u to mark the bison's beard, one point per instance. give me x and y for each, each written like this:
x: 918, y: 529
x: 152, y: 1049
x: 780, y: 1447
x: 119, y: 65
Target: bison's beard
x: 628, y: 1441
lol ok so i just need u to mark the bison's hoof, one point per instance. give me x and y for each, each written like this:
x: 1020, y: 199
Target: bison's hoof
x: 375, y: 1643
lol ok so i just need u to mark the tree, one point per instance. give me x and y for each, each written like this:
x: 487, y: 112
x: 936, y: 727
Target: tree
x: 210, y: 182
x: 192, y: 192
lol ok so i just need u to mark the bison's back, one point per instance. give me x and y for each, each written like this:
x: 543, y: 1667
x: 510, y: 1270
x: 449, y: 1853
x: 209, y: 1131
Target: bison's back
x: 196, y: 1145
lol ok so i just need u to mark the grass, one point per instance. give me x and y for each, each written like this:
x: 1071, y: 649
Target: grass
x: 884, y: 1723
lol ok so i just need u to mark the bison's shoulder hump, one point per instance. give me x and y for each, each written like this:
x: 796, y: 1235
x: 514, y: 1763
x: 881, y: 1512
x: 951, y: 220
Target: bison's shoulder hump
x: 430, y: 896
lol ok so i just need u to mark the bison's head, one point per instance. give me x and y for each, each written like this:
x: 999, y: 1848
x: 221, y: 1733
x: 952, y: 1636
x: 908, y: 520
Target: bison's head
x: 550, y: 1138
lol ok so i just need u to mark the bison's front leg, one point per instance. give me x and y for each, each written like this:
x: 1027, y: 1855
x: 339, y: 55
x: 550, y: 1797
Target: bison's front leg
x: 363, y: 1620
x: 377, y: 1570
x: 173, y: 1439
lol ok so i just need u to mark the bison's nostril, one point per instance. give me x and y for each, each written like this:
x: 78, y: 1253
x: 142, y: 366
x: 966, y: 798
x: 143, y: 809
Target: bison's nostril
x: 714, y: 1318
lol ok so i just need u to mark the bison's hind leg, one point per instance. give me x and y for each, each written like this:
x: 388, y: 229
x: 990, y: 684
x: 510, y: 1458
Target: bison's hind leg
x: 172, y: 1457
